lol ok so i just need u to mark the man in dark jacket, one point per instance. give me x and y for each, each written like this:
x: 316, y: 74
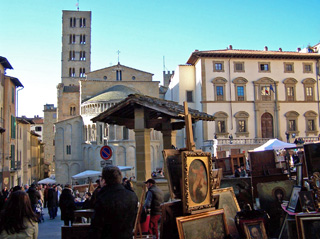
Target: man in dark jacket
x: 52, y: 202
x: 154, y: 198
x: 34, y: 196
x: 67, y: 205
x: 115, y: 209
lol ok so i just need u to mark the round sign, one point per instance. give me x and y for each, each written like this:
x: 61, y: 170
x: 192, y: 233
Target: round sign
x: 105, y: 152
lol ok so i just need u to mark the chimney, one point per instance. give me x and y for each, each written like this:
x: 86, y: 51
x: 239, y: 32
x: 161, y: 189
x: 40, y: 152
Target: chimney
x: 298, y: 49
x: 266, y: 48
x: 280, y: 49
x: 230, y: 47
x: 196, y: 50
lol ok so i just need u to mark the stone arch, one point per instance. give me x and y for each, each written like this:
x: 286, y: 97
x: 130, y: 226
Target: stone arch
x: 290, y: 81
x: 291, y: 114
x: 219, y: 80
x: 240, y: 80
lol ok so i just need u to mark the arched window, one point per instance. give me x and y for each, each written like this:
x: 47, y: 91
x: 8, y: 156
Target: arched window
x: 221, y: 123
x: 219, y: 88
x: 292, y: 122
x: 240, y: 88
x: 242, y: 123
x: 311, y: 123
x: 290, y: 89
x: 308, y: 84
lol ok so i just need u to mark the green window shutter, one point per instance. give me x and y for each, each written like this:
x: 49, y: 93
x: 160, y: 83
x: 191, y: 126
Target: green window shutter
x: 13, y: 127
x: 13, y: 156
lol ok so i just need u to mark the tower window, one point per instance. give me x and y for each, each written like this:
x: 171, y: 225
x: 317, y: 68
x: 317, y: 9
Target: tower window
x: 72, y: 72
x: 83, y: 39
x: 72, y: 22
x: 82, y: 72
x: 82, y: 22
x: 119, y: 75
x: 82, y: 55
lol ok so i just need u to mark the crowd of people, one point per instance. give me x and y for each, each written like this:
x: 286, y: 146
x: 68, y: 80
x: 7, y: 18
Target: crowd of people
x: 114, y: 202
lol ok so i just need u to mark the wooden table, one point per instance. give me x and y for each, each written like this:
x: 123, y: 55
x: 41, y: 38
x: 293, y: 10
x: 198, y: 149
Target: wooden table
x: 87, y: 213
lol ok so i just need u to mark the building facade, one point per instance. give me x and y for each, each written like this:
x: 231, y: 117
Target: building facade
x: 79, y: 140
x: 252, y: 94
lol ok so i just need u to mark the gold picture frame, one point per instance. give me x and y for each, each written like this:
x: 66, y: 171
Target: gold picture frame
x: 209, y: 225
x: 228, y: 201
x: 308, y: 225
x: 197, y: 184
x: 255, y: 230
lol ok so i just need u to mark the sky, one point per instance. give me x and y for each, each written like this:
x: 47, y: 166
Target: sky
x: 151, y: 35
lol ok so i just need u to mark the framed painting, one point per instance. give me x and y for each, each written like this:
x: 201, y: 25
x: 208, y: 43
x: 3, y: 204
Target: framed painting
x: 228, y: 201
x: 255, y: 230
x: 209, y: 225
x: 197, y: 186
x: 308, y: 225
x: 306, y: 201
x: 294, y: 198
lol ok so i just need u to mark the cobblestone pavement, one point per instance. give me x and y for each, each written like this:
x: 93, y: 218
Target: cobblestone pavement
x: 50, y: 229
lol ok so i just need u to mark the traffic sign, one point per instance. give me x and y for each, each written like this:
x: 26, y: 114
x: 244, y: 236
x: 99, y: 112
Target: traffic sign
x: 105, y: 152
x: 104, y: 163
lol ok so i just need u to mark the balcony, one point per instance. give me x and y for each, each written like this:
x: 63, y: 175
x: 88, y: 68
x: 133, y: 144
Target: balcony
x: 15, y: 165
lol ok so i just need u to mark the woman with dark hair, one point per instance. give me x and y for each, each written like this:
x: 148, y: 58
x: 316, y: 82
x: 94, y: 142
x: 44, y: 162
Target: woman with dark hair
x: 18, y: 220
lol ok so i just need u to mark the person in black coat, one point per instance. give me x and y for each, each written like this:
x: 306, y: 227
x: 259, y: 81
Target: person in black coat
x: 52, y: 202
x: 67, y: 205
x: 34, y: 196
x: 115, y: 209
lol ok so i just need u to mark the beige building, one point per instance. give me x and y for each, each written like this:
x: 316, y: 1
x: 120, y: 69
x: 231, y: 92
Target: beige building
x: 49, y: 119
x: 75, y: 60
x: 254, y: 95
x: 79, y: 140
x: 10, y: 161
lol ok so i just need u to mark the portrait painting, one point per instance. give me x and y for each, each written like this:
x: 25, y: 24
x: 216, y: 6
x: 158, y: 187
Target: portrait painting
x: 255, y: 230
x: 209, y: 225
x: 294, y: 198
x: 308, y: 225
x: 197, y: 178
x: 228, y: 201
x: 306, y: 201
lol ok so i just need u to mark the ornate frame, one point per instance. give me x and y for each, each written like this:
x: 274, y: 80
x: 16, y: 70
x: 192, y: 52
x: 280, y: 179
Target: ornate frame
x: 182, y: 223
x: 188, y: 159
x: 294, y: 199
x: 305, y: 218
x: 256, y: 223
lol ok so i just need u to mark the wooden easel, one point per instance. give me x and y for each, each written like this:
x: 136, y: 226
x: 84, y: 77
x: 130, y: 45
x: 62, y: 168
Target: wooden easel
x: 137, y: 225
x: 191, y: 146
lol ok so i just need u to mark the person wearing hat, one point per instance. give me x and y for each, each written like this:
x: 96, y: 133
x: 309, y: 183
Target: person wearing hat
x: 67, y: 205
x: 154, y: 198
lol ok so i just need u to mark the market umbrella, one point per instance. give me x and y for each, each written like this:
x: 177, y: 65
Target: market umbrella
x: 274, y: 144
x: 47, y: 181
x: 86, y: 174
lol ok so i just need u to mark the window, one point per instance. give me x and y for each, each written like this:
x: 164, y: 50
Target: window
x: 82, y: 55
x: 242, y: 123
x: 292, y: 125
x: 72, y: 110
x: 265, y: 93
x: 72, y: 72
x: 311, y: 126
x: 82, y: 22
x: 106, y: 130
x: 68, y: 149
x: 221, y: 124
x: 240, y: 93
x: 238, y: 66
x: 218, y: 66
x: 219, y: 93
x: 83, y: 39
x: 307, y: 67
x: 309, y: 84
x: 189, y: 96
x: 54, y: 116
x: 119, y: 75
x: 264, y: 67
x: 72, y: 55
x: 72, y: 39
x: 288, y: 67
x: 38, y: 128
x: 290, y: 88
x: 290, y: 93
x: 219, y: 88
x: 125, y: 133
x: 240, y: 88
x: 292, y: 122
x: 82, y: 72
x: 72, y: 22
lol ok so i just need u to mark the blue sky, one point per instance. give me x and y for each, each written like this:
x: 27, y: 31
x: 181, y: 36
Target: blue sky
x: 145, y: 32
